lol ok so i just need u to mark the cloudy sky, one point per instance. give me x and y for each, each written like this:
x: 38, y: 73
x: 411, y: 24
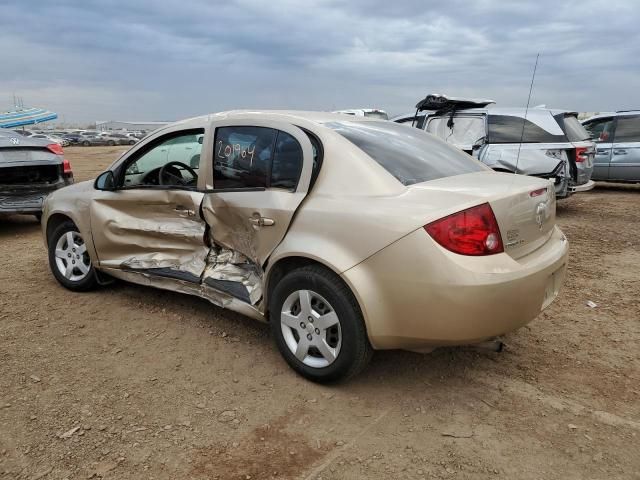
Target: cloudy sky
x: 164, y: 60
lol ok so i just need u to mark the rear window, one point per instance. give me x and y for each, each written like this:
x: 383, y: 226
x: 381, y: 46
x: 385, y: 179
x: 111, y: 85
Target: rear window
x: 572, y: 128
x: 410, y: 155
x: 508, y: 129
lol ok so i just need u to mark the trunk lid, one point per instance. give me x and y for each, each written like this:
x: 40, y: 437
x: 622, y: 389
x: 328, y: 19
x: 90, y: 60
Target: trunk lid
x: 524, y: 207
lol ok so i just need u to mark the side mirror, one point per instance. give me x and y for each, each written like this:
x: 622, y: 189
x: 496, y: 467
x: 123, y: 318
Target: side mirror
x: 105, y: 181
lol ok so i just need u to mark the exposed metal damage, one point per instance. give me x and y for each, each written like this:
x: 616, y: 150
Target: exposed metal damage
x: 232, y: 272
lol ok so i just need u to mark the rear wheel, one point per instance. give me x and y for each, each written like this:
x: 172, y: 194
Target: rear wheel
x: 317, y: 325
x: 69, y: 260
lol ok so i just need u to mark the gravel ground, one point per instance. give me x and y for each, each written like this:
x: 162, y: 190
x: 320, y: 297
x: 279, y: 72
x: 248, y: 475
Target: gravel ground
x: 129, y: 382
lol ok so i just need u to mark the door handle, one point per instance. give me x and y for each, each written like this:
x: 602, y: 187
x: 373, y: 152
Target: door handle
x: 258, y: 220
x: 619, y: 152
x: 180, y: 210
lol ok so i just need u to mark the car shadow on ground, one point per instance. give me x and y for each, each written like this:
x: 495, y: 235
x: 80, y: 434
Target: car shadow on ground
x: 395, y: 366
x: 12, y: 225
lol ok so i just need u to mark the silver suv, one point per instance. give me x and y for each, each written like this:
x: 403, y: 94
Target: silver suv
x: 617, y: 137
x: 553, y: 145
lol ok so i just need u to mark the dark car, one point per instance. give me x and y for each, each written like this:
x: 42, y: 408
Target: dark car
x: 30, y: 169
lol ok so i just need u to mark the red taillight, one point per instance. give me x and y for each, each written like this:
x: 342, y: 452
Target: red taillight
x: 55, y: 148
x: 66, y: 166
x: 581, y: 154
x: 473, y: 231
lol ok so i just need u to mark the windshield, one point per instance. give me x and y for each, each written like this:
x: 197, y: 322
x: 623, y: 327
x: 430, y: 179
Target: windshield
x: 410, y: 155
x: 574, y: 130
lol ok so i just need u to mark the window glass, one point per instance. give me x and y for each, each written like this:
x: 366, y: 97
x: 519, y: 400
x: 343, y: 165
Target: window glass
x: 242, y: 156
x: 183, y: 148
x: 287, y: 162
x: 508, y: 129
x: 628, y: 129
x: 600, y: 130
x: 410, y: 155
x: 465, y: 131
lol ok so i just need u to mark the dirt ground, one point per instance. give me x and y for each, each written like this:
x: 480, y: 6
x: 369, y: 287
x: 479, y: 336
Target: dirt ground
x: 129, y: 382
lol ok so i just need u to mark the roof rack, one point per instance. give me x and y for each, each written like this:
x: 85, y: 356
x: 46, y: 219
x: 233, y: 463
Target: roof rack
x: 436, y: 101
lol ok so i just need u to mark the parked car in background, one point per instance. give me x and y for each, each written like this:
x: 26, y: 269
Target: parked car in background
x: 121, y: 139
x: 346, y: 234
x: 30, y: 169
x: 104, y: 138
x: 617, y: 137
x: 52, y: 138
x: 73, y: 138
x: 550, y: 144
x: 366, y: 112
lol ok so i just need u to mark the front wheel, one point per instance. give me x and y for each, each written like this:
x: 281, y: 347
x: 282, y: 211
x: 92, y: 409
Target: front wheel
x: 318, y: 326
x: 86, y: 143
x: 69, y: 260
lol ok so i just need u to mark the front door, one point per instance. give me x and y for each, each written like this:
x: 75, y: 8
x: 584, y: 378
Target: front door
x: 625, y: 156
x: 151, y: 222
x: 260, y: 174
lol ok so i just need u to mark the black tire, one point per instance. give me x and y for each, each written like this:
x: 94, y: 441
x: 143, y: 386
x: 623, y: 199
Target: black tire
x: 88, y: 282
x: 86, y: 143
x: 132, y: 142
x: 111, y: 143
x: 355, y: 351
x: 38, y: 216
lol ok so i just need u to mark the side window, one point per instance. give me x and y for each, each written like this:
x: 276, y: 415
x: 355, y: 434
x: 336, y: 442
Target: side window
x: 628, y: 129
x: 242, y: 156
x: 179, y: 154
x: 600, y: 130
x: 287, y: 162
x: 508, y: 129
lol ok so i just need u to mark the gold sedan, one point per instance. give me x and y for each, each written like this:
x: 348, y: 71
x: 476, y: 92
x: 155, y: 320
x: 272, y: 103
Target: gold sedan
x: 346, y: 234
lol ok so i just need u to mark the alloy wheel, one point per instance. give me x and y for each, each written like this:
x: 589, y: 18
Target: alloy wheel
x: 71, y: 257
x: 311, y: 328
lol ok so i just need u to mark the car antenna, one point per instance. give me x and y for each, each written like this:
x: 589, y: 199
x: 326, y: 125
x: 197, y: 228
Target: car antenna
x: 526, y: 111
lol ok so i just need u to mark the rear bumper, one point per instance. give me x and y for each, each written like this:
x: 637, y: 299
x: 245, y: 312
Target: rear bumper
x: 585, y: 187
x: 431, y: 297
x: 25, y: 200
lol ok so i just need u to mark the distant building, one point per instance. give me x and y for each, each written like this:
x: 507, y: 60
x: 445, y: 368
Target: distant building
x: 131, y: 126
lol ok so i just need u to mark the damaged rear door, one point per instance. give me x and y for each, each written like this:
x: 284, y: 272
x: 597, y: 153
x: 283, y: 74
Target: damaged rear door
x: 259, y: 174
x: 150, y: 222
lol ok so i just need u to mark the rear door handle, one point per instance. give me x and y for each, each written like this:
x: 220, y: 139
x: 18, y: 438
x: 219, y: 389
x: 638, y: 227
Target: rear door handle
x: 258, y: 220
x: 619, y: 152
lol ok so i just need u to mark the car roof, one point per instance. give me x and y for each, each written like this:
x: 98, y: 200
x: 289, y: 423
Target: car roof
x: 291, y: 116
x: 6, y: 134
x: 612, y: 114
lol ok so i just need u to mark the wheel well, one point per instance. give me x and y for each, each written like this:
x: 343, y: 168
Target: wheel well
x: 284, y: 266
x: 53, y: 222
